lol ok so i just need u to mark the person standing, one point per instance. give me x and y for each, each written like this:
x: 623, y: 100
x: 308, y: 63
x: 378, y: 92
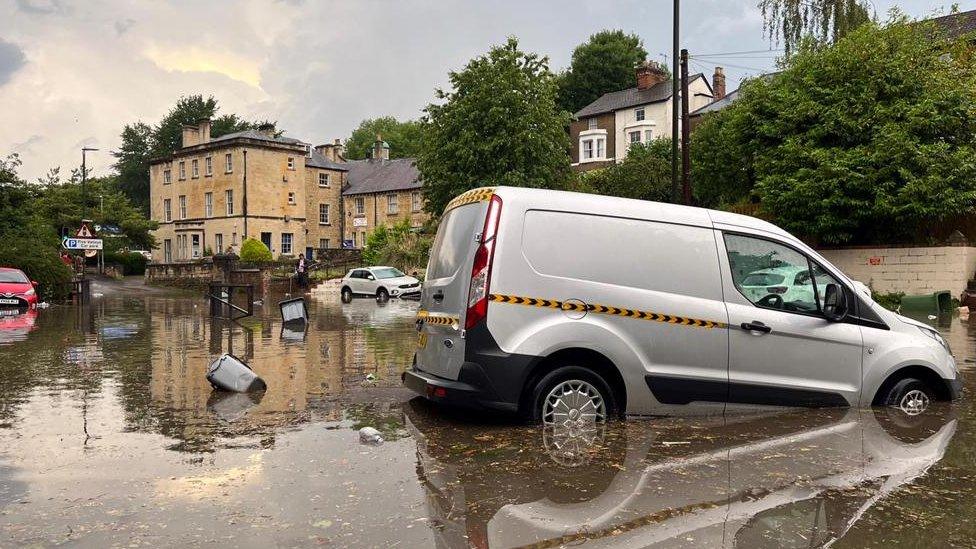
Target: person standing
x: 301, y: 271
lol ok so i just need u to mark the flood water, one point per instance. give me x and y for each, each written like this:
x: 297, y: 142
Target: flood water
x: 110, y: 435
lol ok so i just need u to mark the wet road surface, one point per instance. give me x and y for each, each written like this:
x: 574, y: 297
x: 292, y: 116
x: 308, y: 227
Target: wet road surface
x: 111, y: 436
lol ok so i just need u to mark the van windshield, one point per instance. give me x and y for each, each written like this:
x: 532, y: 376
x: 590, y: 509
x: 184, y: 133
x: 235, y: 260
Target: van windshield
x: 454, y: 239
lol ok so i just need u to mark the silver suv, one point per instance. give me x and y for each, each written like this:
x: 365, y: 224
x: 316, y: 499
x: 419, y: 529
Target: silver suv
x: 379, y: 282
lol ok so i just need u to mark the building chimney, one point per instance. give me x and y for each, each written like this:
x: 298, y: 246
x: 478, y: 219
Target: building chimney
x: 203, y: 131
x: 649, y: 74
x: 381, y: 150
x: 191, y: 136
x: 718, y: 84
x: 340, y: 153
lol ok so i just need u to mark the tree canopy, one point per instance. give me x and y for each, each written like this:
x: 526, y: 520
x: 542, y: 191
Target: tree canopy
x: 403, y: 137
x: 141, y: 142
x: 498, y: 125
x: 868, y: 141
x: 823, y: 20
x: 602, y: 64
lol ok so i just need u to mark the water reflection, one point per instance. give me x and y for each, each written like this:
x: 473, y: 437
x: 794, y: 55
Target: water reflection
x: 791, y: 480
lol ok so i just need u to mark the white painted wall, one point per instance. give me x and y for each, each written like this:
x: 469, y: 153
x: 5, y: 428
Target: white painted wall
x: 657, y: 117
x: 917, y: 270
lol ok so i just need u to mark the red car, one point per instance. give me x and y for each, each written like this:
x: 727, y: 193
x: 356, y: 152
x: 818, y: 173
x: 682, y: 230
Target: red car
x: 16, y: 290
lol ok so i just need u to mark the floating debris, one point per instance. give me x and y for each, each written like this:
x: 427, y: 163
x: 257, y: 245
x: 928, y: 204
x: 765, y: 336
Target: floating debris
x: 229, y: 373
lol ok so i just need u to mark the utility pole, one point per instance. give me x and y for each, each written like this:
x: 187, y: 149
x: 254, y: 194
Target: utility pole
x: 685, y: 132
x: 674, y: 104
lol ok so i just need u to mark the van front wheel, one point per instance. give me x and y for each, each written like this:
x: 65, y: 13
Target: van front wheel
x: 572, y: 396
x: 910, y: 395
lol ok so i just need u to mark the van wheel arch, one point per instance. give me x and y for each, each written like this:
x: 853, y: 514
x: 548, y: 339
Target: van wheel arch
x: 583, y: 358
x: 922, y: 373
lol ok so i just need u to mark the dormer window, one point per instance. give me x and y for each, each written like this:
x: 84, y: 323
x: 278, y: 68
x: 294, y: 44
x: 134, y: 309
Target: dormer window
x: 639, y: 114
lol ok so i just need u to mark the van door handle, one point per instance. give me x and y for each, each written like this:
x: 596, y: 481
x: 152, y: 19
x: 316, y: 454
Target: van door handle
x: 439, y: 296
x: 756, y: 326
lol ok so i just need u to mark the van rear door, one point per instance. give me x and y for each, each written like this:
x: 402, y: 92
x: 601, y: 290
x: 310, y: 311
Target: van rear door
x: 444, y: 299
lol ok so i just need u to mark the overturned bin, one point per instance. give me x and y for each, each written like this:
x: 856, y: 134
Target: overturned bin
x: 934, y: 303
x: 229, y: 373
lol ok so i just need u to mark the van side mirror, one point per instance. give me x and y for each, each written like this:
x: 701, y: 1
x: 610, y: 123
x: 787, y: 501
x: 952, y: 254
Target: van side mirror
x: 34, y: 283
x: 834, y: 303
x: 370, y: 277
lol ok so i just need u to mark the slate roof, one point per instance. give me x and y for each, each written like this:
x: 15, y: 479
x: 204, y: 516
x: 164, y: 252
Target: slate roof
x: 631, y: 97
x: 958, y: 24
x: 258, y: 135
x: 718, y: 104
x: 316, y: 160
x: 380, y: 176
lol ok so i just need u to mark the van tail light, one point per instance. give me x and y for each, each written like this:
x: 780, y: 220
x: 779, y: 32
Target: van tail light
x: 481, y: 269
x: 776, y: 289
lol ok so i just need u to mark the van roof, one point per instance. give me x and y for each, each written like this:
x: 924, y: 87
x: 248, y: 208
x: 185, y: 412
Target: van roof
x: 640, y: 209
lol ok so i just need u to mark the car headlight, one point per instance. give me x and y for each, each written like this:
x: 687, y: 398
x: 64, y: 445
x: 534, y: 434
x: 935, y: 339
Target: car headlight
x: 937, y: 337
x: 29, y: 292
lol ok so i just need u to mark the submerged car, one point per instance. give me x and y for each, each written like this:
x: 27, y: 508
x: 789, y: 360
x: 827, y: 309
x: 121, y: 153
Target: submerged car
x: 16, y: 290
x: 379, y: 282
x: 571, y: 308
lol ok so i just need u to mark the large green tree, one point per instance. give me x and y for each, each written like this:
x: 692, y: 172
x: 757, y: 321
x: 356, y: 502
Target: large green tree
x: 602, y: 64
x: 29, y: 242
x: 870, y: 140
x: 403, y: 137
x: 498, y: 125
x: 141, y: 142
x: 790, y: 21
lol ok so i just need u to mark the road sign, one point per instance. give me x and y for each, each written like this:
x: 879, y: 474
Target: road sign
x: 84, y: 232
x: 82, y: 243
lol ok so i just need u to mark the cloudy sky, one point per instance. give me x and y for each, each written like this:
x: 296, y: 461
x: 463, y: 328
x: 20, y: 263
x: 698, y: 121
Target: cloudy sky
x: 74, y: 72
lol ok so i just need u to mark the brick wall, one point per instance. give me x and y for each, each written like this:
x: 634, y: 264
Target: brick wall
x: 913, y: 270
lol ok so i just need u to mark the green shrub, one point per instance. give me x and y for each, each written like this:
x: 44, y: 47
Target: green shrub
x: 132, y: 263
x: 890, y: 301
x: 254, y: 251
x: 40, y: 263
x: 398, y: 245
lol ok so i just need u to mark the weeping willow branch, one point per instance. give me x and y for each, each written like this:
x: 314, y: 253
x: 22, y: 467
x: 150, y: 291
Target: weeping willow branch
x: 788, y: 21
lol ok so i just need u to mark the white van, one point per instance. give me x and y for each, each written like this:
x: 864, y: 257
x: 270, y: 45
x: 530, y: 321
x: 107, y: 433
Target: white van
x: 570, y: 307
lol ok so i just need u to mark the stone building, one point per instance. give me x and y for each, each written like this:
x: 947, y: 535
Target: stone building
x: 212, y: 193
x: 380, y: 191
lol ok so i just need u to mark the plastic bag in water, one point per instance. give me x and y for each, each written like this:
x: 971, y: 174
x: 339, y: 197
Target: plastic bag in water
x: 369, y: 435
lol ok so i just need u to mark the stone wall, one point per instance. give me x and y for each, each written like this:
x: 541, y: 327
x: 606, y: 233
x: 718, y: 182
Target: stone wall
x: 913, y: 270
x: 181, y: 275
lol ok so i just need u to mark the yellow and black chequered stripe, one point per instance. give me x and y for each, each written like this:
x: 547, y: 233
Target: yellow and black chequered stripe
x: 606, y: 310
x: 480, y: 194
x: 438, y: 319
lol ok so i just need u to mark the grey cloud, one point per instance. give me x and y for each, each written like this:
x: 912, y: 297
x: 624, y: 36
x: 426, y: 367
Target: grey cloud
x: 26, y: 145
x: 42, y: 7
x: 123, y: 25
x: 11, y: 60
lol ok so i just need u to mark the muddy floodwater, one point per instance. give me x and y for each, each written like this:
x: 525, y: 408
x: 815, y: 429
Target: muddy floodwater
x: 110, y: 435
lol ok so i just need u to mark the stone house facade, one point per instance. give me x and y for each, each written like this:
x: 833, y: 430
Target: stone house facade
x: 212, y: 193
x: 380, y: 191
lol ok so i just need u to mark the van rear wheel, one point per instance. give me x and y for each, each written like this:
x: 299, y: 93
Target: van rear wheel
x: 346, y: 295
x: 572, y: 396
